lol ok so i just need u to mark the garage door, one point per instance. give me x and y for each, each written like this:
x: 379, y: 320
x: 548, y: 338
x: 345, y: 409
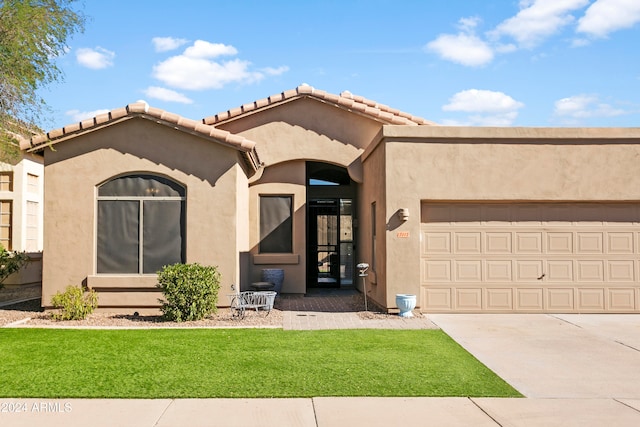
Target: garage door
x: 530, y: 257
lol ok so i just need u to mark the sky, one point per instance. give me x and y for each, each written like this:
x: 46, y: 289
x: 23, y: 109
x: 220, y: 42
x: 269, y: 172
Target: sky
x: 550, y: 63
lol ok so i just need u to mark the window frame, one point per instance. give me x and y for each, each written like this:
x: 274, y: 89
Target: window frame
x: 140, y: 200
x: 261, y: 238
x: 9, y: 226
x: 6, y: 179
x: 374, y: 236
x: 32, y: 226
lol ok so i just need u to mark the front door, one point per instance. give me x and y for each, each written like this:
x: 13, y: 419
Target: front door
x: 330, y: 243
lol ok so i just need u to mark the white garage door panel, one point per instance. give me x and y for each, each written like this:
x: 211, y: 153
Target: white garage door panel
x: 568, y: 257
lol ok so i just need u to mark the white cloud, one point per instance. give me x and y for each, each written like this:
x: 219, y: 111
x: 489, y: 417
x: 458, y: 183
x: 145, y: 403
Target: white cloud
x: 482, y: 101
x: 579, y: 42
x: 275, y: 71
x: 188, y: 73
x: 606, y: 16
x: 489, y: 108
x: 164, y: 44
x: 95, y: 59
x: 584, y: 107
x: 468, y: 25
x: 204, y: 49
x: 165, y: 94
x: 195, y: 68
x: 465, y: 47
x: 535, y: 22
x: 78, y: 116
x: 538, y: 20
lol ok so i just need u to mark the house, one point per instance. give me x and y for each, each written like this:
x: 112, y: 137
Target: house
x: 468, y: 219
x: 21, y: 204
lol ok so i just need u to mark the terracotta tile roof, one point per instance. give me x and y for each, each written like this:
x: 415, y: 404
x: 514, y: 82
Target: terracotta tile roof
x: 346, y: 100
x: 142, y: 110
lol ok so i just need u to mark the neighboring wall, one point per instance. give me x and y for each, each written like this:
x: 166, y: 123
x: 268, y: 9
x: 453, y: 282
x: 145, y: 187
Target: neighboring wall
x: 208, y: 170
x: 22, y: 195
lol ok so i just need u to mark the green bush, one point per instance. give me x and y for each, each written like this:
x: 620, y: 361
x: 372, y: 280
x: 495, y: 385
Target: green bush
x: 74, y: 303
x: 190, y: 291
x: 10, y: 262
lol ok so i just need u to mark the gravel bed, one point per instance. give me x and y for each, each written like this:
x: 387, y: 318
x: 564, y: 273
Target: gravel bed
x: 31, y: 315
x: 21, y: 311
x: 37, y: 318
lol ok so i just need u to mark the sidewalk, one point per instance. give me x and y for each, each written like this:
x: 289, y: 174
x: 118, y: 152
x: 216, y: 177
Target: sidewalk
x: 321, y: 412
x: 576, y: 370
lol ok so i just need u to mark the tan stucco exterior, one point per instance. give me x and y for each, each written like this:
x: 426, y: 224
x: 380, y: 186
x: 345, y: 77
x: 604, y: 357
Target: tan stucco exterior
x: 396, y: 162
x: 287, y: 136
x: 439, y: 164
x: 75, y: 169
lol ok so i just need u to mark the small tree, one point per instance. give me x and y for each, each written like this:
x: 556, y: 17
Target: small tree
x: 11, y: 262
x: 33, y: 34
x: 190, y: 291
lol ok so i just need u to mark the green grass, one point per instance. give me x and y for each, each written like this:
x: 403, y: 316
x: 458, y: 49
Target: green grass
x: 199, y: 363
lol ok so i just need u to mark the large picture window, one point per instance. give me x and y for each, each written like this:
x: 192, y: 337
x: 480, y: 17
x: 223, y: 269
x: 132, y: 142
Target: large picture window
x: 140, y: 224
x: 276, y: 224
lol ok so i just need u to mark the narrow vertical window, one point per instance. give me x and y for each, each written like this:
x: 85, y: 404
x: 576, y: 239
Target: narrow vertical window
x: 140, y: 225
x: 32, y: 227
x: 32, y: 183
x: 6, y: 181
x: 6, y: 210
x: 373, y: 236
x: 276, y: 224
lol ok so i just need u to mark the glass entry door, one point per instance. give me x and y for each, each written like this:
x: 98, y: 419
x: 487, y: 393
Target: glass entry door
x: 330, y: 243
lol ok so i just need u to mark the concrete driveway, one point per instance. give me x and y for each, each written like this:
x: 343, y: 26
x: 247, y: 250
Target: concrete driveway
x: 574, y: 356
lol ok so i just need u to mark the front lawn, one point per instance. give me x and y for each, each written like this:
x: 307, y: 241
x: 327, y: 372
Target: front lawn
x: 201, y: 363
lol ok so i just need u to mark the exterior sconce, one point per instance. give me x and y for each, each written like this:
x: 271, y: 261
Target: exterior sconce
x: 403, y: 214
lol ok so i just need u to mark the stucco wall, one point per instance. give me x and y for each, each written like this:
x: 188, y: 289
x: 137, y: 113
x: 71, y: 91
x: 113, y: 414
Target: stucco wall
x: 373, y: 190
x: 288, y: 136
x: 487, y: 164
x: 284, y: 179
x: 75, y: 168
x: 306, y: 129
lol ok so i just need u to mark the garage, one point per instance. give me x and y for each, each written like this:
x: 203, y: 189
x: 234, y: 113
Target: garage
x: 530, y: 257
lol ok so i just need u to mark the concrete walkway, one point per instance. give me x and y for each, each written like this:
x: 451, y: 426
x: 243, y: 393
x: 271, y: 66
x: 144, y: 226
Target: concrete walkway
x: 576, y: 370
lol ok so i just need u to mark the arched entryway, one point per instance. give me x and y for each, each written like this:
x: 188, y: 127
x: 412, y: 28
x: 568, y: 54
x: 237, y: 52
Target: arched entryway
x: 331, y: 211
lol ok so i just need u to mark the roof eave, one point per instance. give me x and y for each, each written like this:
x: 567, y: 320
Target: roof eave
x: 38, y: 143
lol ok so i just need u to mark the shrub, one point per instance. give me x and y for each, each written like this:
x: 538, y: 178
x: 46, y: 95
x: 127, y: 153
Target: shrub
x: 74, y: 303
x: 10, y: 262
x: 190, y: 291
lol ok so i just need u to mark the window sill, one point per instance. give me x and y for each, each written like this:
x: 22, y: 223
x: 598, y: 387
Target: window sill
x: 111, y: 281
x: 264, y: 259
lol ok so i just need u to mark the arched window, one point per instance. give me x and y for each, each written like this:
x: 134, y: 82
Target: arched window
x: 140, y: 224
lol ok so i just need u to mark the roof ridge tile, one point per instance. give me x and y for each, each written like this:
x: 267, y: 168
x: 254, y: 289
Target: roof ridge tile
x: 141, y: 109
x: 345, y: 99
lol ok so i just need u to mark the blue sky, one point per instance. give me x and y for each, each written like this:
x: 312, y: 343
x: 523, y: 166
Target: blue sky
x: 455, y: 62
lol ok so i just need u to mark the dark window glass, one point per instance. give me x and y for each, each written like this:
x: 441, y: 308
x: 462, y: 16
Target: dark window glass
x: 145, y: 223
x: 141, y: 186
x: 276, y: 224
x: 118, y: 236
x: 162, y: 233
